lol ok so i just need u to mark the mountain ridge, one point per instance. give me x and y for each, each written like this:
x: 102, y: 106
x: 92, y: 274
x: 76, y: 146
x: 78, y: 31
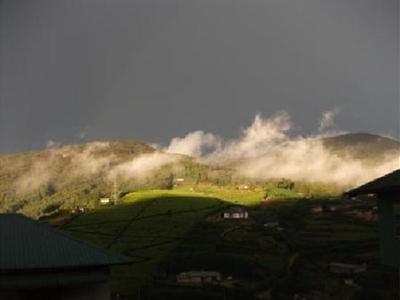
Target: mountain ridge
x: 75, y: 175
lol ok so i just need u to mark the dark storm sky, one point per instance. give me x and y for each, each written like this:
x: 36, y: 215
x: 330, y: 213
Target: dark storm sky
x: 151, y: 70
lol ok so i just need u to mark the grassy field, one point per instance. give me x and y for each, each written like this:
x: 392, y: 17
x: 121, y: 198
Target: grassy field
x: 146, y: 226
x: 169, y: 231
x: 231, y: 194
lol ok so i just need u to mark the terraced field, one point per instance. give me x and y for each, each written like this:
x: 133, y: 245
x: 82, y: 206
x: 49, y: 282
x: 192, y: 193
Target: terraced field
x: 170, y: 231
x: 145, y: 227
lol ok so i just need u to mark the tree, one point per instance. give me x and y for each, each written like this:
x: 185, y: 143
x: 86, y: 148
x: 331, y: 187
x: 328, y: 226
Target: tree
x: 169, y: 182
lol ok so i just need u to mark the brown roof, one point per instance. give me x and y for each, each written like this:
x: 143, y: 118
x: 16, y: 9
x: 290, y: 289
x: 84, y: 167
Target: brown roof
x: 386, y: 184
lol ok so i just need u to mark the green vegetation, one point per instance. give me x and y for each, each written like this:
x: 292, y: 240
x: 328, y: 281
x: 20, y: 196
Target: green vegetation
x: 171, y: 222
x: 74, y: 175
x: 364, y: 146
x: 279, y: 193
x: 145, y: 227
x: 286, y: 188
x: 77, y: 176
x: 170, y: 231
x: 232, y: 194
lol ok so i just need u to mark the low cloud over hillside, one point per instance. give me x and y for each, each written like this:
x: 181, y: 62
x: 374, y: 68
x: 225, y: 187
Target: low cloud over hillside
x: 268, y: 149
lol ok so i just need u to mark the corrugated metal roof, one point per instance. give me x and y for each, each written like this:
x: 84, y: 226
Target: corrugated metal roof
x: 236, y: 209
x: 384, y: 184
x: 27, y: 245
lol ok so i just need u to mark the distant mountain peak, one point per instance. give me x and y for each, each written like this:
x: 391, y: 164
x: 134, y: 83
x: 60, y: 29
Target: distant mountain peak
x: 362, y: 145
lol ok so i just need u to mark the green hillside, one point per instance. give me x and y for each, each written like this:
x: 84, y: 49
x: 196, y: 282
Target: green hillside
x: 146, y: 227
x: 168, y: 232
x: 363, y: 146
x: 40, y: 182
x: 32, y: 181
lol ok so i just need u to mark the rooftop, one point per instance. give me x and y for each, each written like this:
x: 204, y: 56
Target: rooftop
x: 236, y: 209
x: 386, y: 184
x: 28, y: 245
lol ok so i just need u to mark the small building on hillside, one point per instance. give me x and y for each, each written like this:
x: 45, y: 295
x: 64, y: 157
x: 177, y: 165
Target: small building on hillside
x: 347, y: 269
x: 236, y: 212
x: 40, y: 262
x: 198, y: 277
x: 105, y: 201
x: 387, y: 191
x: 178, y: 181
x: 244, y: 187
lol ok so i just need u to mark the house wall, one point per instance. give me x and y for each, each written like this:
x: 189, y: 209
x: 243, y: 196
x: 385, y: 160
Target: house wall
x: 389, y: 244
x: 97, y: 291
x: 83, y: 284
x: 236, y: 215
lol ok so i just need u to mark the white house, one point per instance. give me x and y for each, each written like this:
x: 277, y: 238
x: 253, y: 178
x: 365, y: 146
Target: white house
x: 236, y: 212
x: 105, y: 201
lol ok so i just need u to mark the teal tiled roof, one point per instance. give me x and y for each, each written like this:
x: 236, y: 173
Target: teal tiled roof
x: 27, y: 245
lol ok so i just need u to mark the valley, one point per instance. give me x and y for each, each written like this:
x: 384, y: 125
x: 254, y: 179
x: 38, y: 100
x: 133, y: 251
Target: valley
x: 284, y: 248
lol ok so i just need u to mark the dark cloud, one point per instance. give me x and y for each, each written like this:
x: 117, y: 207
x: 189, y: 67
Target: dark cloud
x: 151, y: 69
